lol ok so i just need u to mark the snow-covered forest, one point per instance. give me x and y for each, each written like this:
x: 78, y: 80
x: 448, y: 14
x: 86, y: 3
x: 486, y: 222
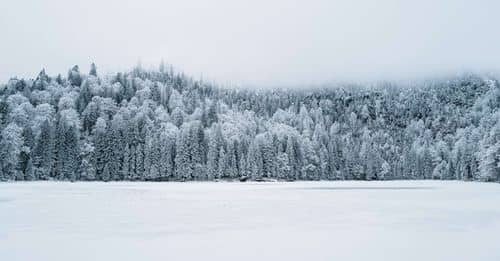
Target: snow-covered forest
x: 160, y: 125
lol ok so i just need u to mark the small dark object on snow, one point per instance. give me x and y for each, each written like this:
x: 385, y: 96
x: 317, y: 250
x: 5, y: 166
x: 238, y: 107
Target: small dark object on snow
x: 265, y: 180
x: 243, y: 178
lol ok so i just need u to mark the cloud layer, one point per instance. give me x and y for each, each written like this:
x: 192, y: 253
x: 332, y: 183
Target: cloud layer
x: 253, y: 42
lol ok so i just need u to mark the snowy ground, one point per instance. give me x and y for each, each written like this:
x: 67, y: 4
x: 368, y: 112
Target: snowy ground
x: 392, y: 220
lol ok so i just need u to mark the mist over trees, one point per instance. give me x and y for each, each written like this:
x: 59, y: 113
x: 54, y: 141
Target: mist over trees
x: 165, y: 126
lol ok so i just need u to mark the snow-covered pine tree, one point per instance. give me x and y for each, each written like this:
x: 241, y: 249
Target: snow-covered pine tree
x: 11, y: 145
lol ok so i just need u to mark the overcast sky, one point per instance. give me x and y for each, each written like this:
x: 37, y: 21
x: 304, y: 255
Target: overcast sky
x: 255, y: 42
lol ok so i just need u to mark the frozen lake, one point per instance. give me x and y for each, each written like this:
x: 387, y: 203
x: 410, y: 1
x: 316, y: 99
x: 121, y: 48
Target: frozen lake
x: 392, y: 220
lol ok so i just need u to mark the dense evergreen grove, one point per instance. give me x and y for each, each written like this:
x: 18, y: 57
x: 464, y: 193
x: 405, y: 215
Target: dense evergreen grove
x: 161, y: 125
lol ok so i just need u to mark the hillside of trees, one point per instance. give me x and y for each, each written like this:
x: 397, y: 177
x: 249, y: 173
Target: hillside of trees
x: 160, y: 125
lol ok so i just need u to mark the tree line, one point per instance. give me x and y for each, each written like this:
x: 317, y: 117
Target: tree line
x: 160, y: 125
